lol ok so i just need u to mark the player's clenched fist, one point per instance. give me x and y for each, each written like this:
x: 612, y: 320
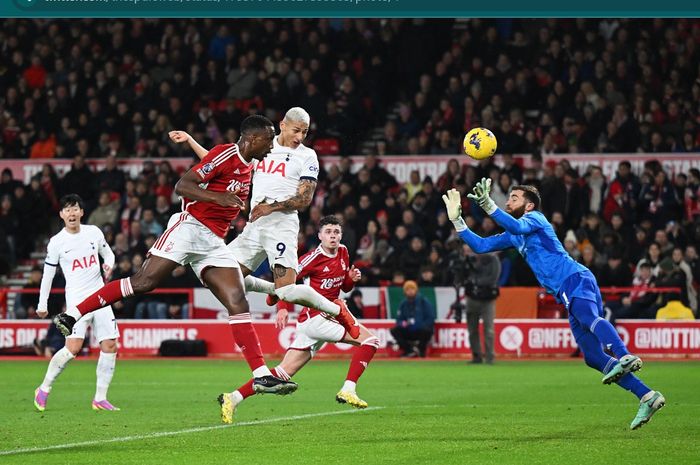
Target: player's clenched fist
x: 178, y: 136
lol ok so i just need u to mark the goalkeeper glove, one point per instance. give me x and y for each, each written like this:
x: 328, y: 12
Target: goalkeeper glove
x: 481, y: 196
x: 453, y: 202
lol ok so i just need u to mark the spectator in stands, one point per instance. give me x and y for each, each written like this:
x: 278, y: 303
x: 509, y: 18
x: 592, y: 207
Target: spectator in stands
x: 616, y: 272
x: 111, y: 178
x: 8, y: 183
x: 639, y: 303
x: 106, y: 212
x: 28, y: 301
x: 415, y: 322
x: 356, y: 304
x: 652, y: 257
x: 676, y: 260
x: 149, y: 224
x: 413, y: 185
x: 623, y: 194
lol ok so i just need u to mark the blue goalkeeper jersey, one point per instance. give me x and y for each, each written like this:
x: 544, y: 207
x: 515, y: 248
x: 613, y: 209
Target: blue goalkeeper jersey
x: 534, y: 238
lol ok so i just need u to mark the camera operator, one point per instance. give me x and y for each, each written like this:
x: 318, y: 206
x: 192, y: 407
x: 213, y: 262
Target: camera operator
x: 479, y: 275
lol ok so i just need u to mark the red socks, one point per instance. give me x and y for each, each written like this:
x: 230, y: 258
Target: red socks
x: 361, y: 357
x: 110, y: 293
x: 247, y: 339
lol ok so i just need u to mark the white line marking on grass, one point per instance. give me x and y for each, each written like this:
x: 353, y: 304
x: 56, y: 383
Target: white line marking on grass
x: 200, y: 429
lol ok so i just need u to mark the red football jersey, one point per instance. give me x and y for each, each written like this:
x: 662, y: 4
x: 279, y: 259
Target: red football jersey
x: 325, y: 274
x: 222, y: 169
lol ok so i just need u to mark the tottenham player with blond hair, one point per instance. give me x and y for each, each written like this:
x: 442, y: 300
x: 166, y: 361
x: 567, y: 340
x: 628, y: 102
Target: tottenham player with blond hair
x: 77, y: 249
x: 283, y: 183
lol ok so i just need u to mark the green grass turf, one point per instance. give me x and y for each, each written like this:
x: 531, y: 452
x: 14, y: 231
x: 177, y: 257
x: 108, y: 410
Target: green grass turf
x: 426, y: 413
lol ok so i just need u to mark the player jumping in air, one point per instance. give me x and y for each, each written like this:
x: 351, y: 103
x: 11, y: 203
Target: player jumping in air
x: 212, y: 192
x: 530, y: 233
x: 77, y: 249
x: 283, y: 183
x: 327, y: 269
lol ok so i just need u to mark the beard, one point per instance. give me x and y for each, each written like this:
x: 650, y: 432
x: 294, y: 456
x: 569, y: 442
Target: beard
x: 517, y: 212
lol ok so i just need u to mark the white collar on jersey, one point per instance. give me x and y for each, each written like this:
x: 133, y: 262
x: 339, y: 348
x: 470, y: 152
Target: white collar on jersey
x: 240, y: 157
x: 323, y: 251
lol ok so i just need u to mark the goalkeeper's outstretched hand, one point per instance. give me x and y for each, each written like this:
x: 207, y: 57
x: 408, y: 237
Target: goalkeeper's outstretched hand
x: 482, y: 196
x: 453, y: 202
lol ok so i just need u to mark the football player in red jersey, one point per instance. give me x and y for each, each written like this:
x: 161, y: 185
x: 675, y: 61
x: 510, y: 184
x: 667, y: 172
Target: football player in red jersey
x: 283, y: 184
x: 327, y: 269
x: 213, y: 192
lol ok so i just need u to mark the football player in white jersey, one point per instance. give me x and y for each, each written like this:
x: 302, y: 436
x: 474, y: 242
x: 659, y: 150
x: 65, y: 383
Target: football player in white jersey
x: 77, y: 249
x: 283, y: 183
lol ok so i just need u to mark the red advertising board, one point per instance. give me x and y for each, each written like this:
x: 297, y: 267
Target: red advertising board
x: 513, y: 337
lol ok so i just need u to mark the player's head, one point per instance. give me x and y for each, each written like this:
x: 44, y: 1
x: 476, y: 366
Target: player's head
x: 257, y: 133
x: 330, y: 232
x: 294, y: 127
x: 522, y: 199
x: 71, y: 211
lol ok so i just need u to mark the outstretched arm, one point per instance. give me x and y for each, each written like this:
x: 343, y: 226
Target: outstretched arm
x: 477, y: 243
x: 181, y: 136
x: 524, y: 225
x: 482, y: 196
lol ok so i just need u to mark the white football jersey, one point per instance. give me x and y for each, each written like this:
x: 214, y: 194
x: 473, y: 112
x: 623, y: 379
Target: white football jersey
x: 276, y: 177
x: 78, y: 256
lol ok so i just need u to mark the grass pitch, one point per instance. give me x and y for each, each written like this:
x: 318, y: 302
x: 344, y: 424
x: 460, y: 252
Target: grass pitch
x: 420, y: 412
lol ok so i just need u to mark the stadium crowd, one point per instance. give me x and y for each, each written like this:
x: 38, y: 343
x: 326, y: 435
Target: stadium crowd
x: 113, y: 89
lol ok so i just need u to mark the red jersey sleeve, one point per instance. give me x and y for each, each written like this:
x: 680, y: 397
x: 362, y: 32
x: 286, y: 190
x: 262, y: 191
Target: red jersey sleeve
x: 303, y: 271
x: 208, y: 168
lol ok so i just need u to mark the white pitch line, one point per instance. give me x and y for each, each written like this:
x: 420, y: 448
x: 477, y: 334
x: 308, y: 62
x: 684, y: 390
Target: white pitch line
x: 174, y: 433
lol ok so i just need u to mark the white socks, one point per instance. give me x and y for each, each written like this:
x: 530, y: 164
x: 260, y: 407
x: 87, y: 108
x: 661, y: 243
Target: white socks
x: 58, y: 362
x: 261, y: 371
x: 105, y: 371
x: 253, y: 284
x: 349, y: 386
x: 73, y: 311
x: 237, y: 397
x: 305, y: 295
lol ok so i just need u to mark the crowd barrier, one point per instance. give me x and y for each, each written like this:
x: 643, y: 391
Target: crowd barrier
x: 513, y: 338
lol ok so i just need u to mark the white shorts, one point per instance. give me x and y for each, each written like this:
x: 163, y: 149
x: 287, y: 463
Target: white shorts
x: 313, y: 333
x: 188, y: 242
x: 274, y: 237
x: 104, y: 325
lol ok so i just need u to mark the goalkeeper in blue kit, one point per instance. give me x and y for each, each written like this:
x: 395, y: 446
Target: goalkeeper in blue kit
x: 573, y: 284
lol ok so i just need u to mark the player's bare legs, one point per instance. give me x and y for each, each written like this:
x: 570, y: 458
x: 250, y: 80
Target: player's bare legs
x: 295, y: 359
x: 286, y: 289
x: 153, y: 271
x: 227, y: 286
x: 105, y: 371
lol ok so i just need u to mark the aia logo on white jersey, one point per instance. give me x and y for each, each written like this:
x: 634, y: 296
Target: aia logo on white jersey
x: 271, y: 167
x: 83, y: 263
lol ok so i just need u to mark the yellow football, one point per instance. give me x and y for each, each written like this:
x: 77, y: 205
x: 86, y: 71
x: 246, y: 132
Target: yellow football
x: 479, y: 143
